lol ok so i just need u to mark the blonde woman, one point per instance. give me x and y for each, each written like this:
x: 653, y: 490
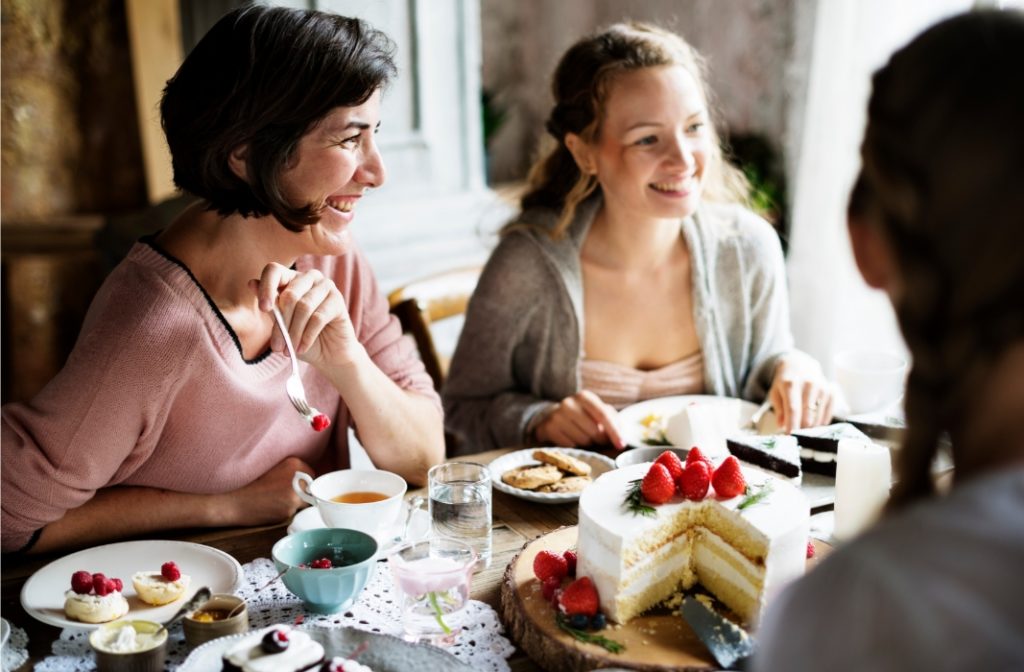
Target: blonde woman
x: 633, y: 271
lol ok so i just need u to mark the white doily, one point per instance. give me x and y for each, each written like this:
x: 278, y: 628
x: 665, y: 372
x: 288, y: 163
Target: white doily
x: 481, y: 643
x: 15, y: 651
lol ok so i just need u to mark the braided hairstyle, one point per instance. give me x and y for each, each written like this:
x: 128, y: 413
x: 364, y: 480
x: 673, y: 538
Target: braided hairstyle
x: 942, y: 173
x: 580, y: 86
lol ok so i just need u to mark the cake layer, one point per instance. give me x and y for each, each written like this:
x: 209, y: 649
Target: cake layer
x: 636, y: 561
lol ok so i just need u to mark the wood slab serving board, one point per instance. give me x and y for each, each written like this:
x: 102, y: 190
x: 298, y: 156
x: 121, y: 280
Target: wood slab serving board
x: 653, y: 641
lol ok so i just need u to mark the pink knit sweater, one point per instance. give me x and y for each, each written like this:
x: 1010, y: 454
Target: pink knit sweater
x: 156, y: 393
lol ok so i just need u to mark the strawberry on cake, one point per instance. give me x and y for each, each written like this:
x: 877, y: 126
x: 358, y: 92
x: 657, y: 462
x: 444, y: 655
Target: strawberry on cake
x: 94, y: 598
x: 647, y: 530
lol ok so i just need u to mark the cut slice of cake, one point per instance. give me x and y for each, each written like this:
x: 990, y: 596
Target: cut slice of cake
x: 741, y: 549
x: 779, y: 453
x: 818, y: 445
x: 704, y: 424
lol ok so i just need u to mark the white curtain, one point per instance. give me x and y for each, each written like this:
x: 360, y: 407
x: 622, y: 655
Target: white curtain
x: 832, y: 308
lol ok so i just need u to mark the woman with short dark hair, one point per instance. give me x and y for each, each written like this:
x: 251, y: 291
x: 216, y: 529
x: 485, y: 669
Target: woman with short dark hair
x: 171, y: 411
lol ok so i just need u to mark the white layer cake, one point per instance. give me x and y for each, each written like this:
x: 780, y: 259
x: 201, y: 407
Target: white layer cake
x: 743, y: 557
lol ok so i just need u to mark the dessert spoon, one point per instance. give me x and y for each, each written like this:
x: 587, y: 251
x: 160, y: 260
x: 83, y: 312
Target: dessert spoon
x: 202, y: 595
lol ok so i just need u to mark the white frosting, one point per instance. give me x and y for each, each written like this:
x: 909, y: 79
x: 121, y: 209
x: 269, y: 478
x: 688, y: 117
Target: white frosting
x: 90, y: 608
x: 817, y: 455
x: 126, y: 639
x: 346, y: 665
x: 248, y: 654
x: 610, y: 537
x: 704, y: 424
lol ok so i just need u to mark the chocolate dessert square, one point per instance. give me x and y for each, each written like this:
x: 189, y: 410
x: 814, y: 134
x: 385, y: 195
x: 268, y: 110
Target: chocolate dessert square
x: 818, y: 445
x: 778, y: 453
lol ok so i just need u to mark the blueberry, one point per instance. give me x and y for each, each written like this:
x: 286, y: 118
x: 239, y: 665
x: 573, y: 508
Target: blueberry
x: 579, y: 621
x: 598, y: 622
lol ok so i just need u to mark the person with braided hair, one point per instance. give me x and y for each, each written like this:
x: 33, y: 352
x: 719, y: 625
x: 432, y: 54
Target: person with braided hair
x: 633, y: 271
x: 936, y: 219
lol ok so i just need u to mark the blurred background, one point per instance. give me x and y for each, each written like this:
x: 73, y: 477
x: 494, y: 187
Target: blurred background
x: 85, y: 171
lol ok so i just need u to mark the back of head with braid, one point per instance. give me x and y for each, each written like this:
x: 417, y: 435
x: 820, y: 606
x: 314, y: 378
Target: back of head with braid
x: 580, y: 87
x: 943, y: 176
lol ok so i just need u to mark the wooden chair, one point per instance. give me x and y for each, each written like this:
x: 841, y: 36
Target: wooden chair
x: 425, y: 301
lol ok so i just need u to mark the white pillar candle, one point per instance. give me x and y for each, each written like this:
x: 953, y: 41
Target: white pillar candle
x: 863, y: 477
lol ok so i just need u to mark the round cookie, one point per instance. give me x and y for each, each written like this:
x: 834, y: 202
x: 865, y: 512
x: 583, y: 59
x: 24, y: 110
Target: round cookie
x: 531, y: 476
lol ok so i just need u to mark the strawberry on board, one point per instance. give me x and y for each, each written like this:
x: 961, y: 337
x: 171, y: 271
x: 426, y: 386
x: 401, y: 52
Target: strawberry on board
x: 549, y: 564
x: 579, y: 597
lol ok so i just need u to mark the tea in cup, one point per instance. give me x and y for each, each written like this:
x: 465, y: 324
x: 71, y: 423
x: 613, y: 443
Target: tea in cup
x: 366, y: 500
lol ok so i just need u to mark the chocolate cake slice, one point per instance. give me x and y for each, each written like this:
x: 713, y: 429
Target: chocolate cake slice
x: 818, y: 445
x: 779, y: 453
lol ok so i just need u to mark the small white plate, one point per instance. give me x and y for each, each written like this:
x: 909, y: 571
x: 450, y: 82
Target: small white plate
x: 42, y: 596
x: 5, y: 632
x: 631, y: 418
x: 598, y: 465
x: 419, y: 526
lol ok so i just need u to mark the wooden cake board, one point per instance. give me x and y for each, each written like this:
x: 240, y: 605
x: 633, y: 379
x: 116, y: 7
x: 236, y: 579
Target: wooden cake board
x: 659, y: 641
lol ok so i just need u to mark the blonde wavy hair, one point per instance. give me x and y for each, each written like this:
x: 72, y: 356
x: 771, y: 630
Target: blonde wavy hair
x: 580, y: 86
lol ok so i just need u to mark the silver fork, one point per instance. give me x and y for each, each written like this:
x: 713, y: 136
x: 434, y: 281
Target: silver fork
x: 293, y: 386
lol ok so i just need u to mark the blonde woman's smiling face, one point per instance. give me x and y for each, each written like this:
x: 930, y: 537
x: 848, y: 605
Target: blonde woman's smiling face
x: 653, y: 144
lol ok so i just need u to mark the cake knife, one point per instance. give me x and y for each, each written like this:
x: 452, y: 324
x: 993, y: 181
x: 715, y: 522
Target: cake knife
x: 728, y: 643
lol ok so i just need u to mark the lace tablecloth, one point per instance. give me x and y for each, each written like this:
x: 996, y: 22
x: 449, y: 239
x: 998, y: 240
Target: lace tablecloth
x: 15, y: 651
x: 481, y: 644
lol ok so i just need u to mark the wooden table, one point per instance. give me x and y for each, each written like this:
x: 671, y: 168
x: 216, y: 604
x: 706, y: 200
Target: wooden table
x: 516, y: 522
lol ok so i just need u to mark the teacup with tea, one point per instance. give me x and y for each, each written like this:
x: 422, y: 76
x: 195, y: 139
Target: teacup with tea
x: 367, y: 500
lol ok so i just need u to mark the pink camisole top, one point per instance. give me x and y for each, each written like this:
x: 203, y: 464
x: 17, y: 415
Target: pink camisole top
x: 620, y: 385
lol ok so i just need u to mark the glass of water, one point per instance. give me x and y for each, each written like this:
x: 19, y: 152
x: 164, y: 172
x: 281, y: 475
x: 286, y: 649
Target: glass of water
x: 433, y: 579
x: 460, y: 505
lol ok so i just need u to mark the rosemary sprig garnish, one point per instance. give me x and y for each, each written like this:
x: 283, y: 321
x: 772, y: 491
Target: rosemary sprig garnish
x: 755, y: 497
x: 769, y: 444
x: 609, y: 645
x: 634, y: 501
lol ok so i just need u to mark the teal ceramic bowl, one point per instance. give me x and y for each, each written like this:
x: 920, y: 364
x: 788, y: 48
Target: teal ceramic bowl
x: 352, y: 554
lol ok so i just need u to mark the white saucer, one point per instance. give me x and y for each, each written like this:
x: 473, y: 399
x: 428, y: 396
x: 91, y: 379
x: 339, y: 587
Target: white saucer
x: 419, y: 526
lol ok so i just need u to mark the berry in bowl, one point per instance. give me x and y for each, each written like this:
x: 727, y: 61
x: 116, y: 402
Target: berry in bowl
x: 326, y: 568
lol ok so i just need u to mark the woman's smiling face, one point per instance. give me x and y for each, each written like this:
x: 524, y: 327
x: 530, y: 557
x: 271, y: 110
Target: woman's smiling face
x: 333, y: 165
x: 653, y: 143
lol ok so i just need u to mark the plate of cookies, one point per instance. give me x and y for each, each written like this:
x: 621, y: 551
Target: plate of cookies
x: 548, y: 475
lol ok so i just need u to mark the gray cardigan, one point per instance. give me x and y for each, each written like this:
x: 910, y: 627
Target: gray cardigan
x: 520, y: 347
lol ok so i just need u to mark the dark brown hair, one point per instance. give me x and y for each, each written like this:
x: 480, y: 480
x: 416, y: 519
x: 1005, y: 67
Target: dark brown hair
x: 580, y: 87
x: 943, y: 165
x: 263, y: 77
